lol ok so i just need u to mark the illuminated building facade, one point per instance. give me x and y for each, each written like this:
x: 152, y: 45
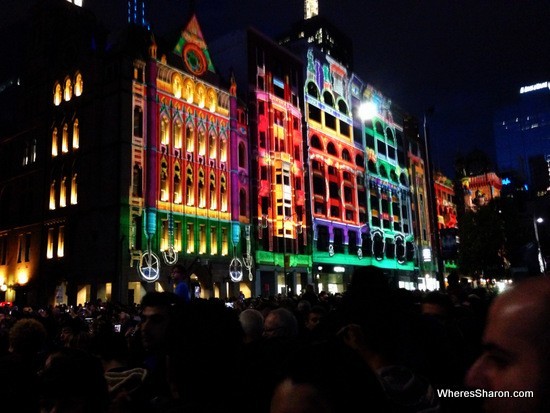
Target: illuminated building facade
x: 278, y: 196
x: 480, y: 189
x: 422, y: 242
x: 388, y: 187
x: 358, y: 184
x: 136, y: 160
x: 47, y: 111
x: 189, y: 186
x: 447, y: 220
x: 336, y: 178
x: 258, y: 174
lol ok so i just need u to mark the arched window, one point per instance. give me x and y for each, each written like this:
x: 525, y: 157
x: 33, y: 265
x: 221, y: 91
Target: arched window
x: 328, y: 98
x: 379, y: 129
x: 76, y: 135
x: 54, y: 142
x: 211, y: 100
x: 372, y: 167
x: 390, y: 136
x: 57, y: 94
x: 78, y: 84
x: 138, y: 122
x: 212, y: 140
x: 223, y: 148
x: 65, y: 139
x: 316, y: 142
x: 177, y: 184
x: 136, y: 181
x: 331, y: 149
x: 360, y: 161
x: 223, y: 193
x: 164, y: 131
x: 177, y: 133
x: 189, y: 138
x: 52, y: 195
x: 202, y: 189
x: 342, y: 107
x: 345, y: 155
x: 177, y: 85
x: 189, y: 194
x: 202, y: 142
x: 63, y: 192
x: 242, y: 155
x: 74, y: 189
x: 312, y: 90
x: 213, y: 194
x: 164, y: 180
x: 68, y: 90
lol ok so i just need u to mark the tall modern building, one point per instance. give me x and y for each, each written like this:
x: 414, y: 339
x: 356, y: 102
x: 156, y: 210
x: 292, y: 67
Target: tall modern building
x: 522, y: 138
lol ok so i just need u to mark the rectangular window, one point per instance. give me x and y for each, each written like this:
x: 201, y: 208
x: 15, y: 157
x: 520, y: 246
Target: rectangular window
x: 61, y: 241
x: 65, y: 139
x: 27, y: 247
x: 52, y: 196
x: 49, y: 250
x: 63, y: 193
x: 213, y: 240
x: 177, y: 236
x: 164, y: 241
x: 190, y: 238
x: 74, y: 193
x: 225, y: 242
x: 202, y: 239
x: 20, y: 248
x: 3, y: 249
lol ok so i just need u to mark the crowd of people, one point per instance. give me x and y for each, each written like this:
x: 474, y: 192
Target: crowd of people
x: 373, y: 348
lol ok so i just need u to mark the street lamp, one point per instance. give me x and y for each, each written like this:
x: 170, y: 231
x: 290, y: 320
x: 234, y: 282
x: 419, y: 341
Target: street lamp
x: 542, y: 264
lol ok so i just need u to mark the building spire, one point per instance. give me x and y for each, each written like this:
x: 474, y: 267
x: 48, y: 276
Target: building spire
x: 311, y: 8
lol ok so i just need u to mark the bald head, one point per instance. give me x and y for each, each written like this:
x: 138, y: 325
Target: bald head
x: 530, y: 300
x: 516, y: 352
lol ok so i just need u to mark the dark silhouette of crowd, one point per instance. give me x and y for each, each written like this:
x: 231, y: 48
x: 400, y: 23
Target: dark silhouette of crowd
x: 373, y: 348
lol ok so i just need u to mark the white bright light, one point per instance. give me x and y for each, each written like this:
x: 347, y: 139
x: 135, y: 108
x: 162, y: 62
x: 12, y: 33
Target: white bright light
x: 540, y: 220
x: 367, y: 110
x: 339, y: 269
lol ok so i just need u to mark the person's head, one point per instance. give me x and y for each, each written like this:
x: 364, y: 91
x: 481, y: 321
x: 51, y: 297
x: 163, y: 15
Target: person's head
x: 252, y: 323
x: 437, y: 304
x: 314, y: 317
x: 178, y: 273
x: 72, y: 381
x: 27, y: 336
x: 157, y: 308
x: 516, y: 352
x: 280, y: 322
x: 298, y: 397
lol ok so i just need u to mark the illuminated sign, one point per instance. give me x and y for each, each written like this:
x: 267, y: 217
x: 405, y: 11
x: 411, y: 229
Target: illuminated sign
x: 537, y: 86
x: 506, y: 181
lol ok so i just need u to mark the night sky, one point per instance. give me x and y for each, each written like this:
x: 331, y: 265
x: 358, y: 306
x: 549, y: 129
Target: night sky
x: 463, y: 58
